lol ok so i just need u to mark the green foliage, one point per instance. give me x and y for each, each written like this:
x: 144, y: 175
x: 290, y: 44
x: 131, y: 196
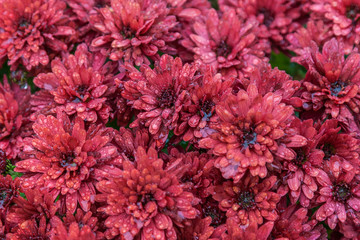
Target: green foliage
x: 283, y: 62
x: 214, y: 4
x: 9, y: 170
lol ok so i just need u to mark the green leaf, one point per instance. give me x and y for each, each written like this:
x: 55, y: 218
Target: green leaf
x: 283, y: 62
x: 9, y: 170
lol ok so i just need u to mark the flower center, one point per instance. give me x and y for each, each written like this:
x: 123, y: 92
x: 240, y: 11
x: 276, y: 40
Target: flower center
x: 212, y: 210
x: 268, y: 16
x: 206, y: 108
x: 249, y: 138
x: 127, y: 32
x: 337, y: 87
x: 167, y: 98
x: 341, y: 192
x: 145, y: 198
x: 328, y: 150
x: 246, y: 200
x: 67, y: 160
x: 300, y: 158
x: 223, y: 49
x: 23, y: 23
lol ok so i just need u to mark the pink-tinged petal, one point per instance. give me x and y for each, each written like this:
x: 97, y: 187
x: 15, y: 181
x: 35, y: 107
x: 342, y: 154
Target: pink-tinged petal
x: 354, y: 203
x: 189, y: 13
x: 155, y: 125
x: 323, y: 178
x: 296, y: 141
x: 71, y: 202
x: 340, y: 211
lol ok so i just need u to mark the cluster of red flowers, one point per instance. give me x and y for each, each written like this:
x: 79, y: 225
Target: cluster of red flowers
x: 164, y: 119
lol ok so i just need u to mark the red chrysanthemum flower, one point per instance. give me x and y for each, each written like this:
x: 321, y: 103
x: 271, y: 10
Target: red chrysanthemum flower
x: 134, y: 30
x: 83, y: 9
x: 250, y: 231
x: 339, y: 198
x: 249, y: 200
x: 331, y: 85
x: 342, y: 16
x: 30, y: 229
x: 268, y: 79
x: 33, y: 32
x: 186, y: 11
x: 315, y: 31
x: 82, y: 226
x: 127, y: 141
x: 227, y: 43
x: 196, y: 171
x: 250, y: 132
x: 38, y: 204
x: 340, y: 151
x: 146, y: 200
x: 14, y: 122
x: 277, y: 18
x: 82, y: 12
x: 160, y: 94
x: 62, y: 157
x: 80, y: 85
x: 195, y: 118
x: 294, y: 224
x: 299, y: 174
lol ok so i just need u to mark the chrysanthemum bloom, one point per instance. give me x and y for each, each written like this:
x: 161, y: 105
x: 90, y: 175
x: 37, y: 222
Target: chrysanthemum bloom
x: 33, y: 32
x: 196, y: 171
x: 81, y: 12
x: 82, y: 226
x: 315, y: 31
x: 160, y: 94
x: 268, y: 79
x: 186, y: 11
x: 342, y: 16
x: 134, y: 30
x: 299, y: 173
x: 250, y: 200
x: 38, y: 205
x: 339, y: 198
x: 83, y: 9
x: 127, y: 141
x: 195, y: 118
x: 146, y: 201
x: 331, y: 85
x: 227, y: 43
x: 80, y: 84
x: 340, y: 151
x: 250, y: 132
x: 62, y: 157
x: 277, y: 18
x: 294, y: 224
x: 249, y: 231
x: 30, y: 229
x: 14, y: 121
